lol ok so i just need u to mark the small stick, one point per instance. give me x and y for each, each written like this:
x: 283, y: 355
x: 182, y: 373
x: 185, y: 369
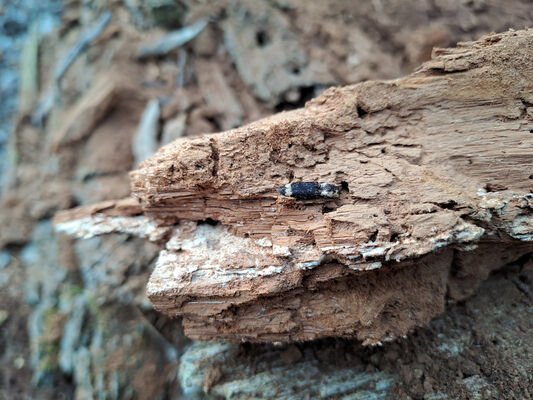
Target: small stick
x: 48, y: 99
x: 172, y: 40
x: 82, y: 43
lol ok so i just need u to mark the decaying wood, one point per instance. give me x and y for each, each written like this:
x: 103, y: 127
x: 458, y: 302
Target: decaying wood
x: 218, y: 94
x: 88, y: 112
x: 436, y: 172
x: 87, y: 37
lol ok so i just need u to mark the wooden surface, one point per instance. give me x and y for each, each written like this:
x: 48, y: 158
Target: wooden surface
x: 437, y: 173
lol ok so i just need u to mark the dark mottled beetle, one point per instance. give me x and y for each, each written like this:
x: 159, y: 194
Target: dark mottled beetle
x: 310, y: 190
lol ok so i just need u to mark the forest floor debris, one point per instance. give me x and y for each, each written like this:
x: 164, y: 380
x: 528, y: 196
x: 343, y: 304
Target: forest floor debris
x: 344, y: 43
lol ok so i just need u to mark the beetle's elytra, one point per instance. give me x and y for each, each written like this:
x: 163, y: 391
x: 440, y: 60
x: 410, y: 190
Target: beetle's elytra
x: 310, y: 190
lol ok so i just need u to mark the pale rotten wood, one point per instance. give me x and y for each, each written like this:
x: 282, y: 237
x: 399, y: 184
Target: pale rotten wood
x: 437, y: 177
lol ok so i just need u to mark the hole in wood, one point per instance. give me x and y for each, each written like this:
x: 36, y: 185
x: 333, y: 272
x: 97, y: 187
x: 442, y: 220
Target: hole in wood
x: 361, y: 111
x: 262, y: 38
x: 208, y: 221
x: 344, y: 186
x: 326, y: 209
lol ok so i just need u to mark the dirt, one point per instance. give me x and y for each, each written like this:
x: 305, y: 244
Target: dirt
x: 48, y: 281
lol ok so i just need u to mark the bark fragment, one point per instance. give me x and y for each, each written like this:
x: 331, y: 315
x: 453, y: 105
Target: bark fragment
x: 433, y: 168
x: 90, y: 111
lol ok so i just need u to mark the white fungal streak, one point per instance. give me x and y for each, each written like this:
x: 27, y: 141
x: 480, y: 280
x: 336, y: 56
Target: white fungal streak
x: 495, y: 204
x: 100, y: 224
x: 176, y: 272
x: 264, y: 242
x: 365, y: 266
x: 522, y: 228
x: 281, y: 251
x: 462, y: 233
x: 203, y: 259
x: 374, y: 252
x: 308, y: 265
x: 312, y: 264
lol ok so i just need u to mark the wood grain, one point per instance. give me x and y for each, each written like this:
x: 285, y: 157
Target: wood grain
x: 436, y: 171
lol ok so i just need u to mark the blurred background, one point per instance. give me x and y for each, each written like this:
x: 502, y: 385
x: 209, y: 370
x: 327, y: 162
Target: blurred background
x: 91, y: 87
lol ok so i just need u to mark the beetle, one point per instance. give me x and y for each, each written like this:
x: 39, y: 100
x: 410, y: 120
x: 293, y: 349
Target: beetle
x: 310, y: 190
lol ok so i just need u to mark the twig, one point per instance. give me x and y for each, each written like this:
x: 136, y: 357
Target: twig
x: 172, y: 40
x: 48, y: 99
x: 145, y: 139
x: 182, y: 62
x: 80, y: 45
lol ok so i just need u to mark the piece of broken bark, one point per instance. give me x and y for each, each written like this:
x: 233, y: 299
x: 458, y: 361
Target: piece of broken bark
x: 218, y: 94
x: 435, y: 171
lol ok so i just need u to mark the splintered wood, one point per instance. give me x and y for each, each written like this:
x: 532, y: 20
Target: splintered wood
x: 435, y: 172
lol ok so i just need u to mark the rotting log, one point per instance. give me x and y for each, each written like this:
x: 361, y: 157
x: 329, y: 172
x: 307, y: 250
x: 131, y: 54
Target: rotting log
x: 436, y: 178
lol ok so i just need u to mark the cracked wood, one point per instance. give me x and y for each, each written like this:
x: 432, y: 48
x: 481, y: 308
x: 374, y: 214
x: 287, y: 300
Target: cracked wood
x: 436, y: 170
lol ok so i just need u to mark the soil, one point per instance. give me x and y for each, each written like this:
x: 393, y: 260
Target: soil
x: 74, y: 318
